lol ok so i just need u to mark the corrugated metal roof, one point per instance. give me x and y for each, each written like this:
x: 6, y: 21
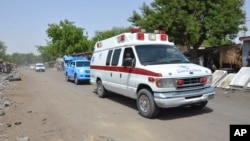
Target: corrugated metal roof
x: 245, y: 38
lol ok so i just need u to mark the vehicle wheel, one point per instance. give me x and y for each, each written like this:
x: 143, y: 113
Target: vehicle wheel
x: 76, y: 80
x: 146, y: 104
x: 66, y: 77
x: 101, y: 91
x: 200, y: 105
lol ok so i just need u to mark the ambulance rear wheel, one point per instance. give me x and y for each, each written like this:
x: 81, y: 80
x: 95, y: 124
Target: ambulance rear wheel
x: 146, y: 105
x: 101, y: 91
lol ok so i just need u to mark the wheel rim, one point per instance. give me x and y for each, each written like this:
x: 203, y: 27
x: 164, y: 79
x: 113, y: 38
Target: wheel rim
x: 76, y: 80
x: 99, y: 88
x: 144, y: 103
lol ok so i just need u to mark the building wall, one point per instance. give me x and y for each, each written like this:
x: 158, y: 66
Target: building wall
x: 225, y: 56
x: 245, y: 50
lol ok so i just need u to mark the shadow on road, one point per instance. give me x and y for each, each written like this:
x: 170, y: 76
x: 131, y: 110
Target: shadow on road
x: 164, y: 114
x: 182, y: 112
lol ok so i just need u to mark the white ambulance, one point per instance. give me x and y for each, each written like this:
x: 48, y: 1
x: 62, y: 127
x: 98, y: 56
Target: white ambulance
x: 147, y: 67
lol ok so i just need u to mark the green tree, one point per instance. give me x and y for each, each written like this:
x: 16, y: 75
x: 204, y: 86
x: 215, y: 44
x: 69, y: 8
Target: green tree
x: 64, y: 38
x: 48, y: 53
x: 191, y: 22
x: 101, y: 35
x: 22, y: 59
x: 2, y: 49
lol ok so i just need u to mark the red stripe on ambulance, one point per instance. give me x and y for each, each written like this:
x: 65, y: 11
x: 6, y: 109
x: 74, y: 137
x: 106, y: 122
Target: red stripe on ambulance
x: 127, y: 70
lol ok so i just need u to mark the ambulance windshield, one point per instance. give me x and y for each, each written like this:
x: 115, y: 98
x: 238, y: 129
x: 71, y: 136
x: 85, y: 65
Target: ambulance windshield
x: 159, y: 54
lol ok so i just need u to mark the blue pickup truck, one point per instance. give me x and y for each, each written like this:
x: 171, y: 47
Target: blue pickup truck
x: 76, y: 69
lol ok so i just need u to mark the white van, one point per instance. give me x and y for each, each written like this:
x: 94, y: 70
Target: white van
x: 149, y: 68
x: 39, y: 67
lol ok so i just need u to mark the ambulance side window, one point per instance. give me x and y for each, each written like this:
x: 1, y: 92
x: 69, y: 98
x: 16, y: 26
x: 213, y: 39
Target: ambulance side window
x: 116, y: 57
x: 109, y: 57
x: 128, y: 57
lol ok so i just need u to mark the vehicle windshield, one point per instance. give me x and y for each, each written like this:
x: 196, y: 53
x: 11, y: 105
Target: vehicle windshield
x: 82, y: 64
x: 159, y: 54
x: 40, y: 65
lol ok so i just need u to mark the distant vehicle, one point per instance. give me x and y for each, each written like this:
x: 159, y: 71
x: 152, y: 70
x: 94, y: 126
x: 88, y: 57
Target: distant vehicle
x: 77, y: 69
x: 40, y: 67
x: 32, y: 66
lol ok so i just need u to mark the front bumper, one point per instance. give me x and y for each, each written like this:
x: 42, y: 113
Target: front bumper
x: 83, y: 76
x: 176, y: 99
x: 40, y: 70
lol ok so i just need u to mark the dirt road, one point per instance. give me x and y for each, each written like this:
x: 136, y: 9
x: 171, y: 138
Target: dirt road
x: 47, y: 108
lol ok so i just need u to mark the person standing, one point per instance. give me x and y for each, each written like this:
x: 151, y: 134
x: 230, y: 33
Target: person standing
x: 201, y: 60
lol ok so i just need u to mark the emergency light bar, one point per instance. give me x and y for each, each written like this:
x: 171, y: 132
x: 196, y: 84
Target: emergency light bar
x: 138, y: 30
x: 99, y: 44
x: 164, y: 37
x: 121, y: 38
x: 140, y: 36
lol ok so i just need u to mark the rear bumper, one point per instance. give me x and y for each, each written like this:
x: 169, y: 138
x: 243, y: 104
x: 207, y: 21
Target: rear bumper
x: 176, y: 99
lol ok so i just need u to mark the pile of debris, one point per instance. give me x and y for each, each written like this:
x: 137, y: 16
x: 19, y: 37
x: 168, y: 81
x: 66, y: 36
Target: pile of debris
x: 5, y: 84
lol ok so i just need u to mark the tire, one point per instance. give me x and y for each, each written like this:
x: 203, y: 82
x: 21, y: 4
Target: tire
x: 146, y: 104
x: 101, y: 91
x: 76, y: 80
x: 200, y: 105
x: 66, y: 77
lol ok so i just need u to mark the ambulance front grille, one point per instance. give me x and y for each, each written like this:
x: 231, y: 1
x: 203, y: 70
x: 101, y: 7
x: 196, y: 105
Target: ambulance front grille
x: 190, y: 83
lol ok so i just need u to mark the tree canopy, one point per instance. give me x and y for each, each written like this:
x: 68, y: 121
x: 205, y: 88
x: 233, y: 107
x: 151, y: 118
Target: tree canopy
x: 101, y: 35
x: 64, y: 38
x: 2, y: 49
x: 191, y: 22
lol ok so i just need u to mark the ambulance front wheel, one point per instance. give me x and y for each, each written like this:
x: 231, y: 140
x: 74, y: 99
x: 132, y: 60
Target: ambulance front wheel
x: 146, y: 105
x: 101, y: 91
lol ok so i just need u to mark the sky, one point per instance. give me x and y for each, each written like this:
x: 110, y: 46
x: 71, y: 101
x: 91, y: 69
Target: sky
x: 23, y: 23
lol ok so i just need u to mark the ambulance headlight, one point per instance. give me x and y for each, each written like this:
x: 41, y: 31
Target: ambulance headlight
x: 164, y: 83
x: 81, y: 70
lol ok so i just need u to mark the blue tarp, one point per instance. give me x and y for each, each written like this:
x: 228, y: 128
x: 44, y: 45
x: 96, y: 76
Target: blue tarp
x: 68, y: 58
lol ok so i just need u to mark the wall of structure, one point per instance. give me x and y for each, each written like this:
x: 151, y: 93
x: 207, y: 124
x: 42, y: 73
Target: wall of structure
x: 245, y: 50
